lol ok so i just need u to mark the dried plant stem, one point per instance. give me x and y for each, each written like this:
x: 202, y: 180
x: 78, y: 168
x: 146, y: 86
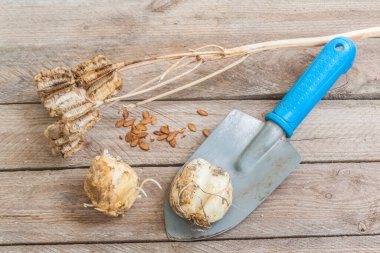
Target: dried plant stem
x: 254, y: 48
x: 130, y: 106
x: 220, y: 53
x: 157, y: 85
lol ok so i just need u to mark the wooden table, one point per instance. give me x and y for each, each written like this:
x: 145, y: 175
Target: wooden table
x: 331, y: 202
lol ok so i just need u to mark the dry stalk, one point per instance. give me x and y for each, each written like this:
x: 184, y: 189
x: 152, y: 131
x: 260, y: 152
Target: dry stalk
x: 200, y: 56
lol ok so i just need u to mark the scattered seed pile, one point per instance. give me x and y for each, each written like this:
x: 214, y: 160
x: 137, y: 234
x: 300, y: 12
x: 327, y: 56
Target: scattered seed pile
x: 73, y: 96
x: 138, y: 132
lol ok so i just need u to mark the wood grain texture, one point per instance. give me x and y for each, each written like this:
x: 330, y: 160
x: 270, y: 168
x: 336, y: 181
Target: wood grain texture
x: 315, y: 200
x: 334, y: 131
x: 359, y: 244
x: 47, y: 34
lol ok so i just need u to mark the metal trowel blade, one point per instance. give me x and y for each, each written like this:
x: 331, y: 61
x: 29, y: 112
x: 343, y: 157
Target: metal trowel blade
x: 251, y: 184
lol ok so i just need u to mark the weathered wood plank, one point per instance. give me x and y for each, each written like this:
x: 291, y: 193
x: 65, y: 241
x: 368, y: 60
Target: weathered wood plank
x: 345, y: 244
x: 316, y: 200
x: 334, y: 131
x: 48, y: 34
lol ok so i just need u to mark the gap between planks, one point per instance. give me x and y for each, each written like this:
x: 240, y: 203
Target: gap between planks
x: 333, y: 132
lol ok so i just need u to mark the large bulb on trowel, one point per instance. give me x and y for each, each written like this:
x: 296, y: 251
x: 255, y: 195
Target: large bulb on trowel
x: 201, y: 193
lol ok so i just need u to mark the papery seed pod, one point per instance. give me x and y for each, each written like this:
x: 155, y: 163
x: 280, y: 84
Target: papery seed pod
x: 64, y: 100
x: 83, y: 124
x: 79, y: 111
x: 55, y: 130
x: 66, y: 139
x: 68, y: 148
x: 88, y: 71
x: 73, y: 96
x: 105, y: 87
x: 51, y: 80
x: 201, y: 193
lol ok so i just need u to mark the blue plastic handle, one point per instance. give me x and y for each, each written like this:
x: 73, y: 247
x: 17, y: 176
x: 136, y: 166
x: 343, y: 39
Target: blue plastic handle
x: 335, y: 59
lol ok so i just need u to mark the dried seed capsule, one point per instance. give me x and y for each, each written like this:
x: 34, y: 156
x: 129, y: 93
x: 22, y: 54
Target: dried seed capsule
x: 82, y: 124
x: 68, y: 149
x: 202, y: 112
x: 143, y: 145
x: 192, y: 127
x: 54, y: 131
x: 119, y: 123
x: 162, y: 137
x: 173, y: 143
x: 92, y: 69
x: 172, y: 135
x: 66, y: 139
x: 165, y: 129
x: 64, y: 100
x: 105, y: 87
x: 206, y: 132
x: 129, y: 122
x: 78, y: 111
x: 51, y: 80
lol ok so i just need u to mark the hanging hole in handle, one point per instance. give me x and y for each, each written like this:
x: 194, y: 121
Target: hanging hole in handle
x: 339, y: 47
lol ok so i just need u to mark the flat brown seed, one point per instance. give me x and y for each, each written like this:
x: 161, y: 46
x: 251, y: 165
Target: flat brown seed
x: 134, y: 141
x: 145, y: 121
x: 182, y: 130
x: 142, y: 135
x: 152, y: 138
x: 129, y: 122
x: 202, y: 112
x: 162, y: 137
x: 157, y: 132
x: 144, y: 146
x: 206, y: 132
x: 165, y: 129
x: 125, y: 114
x: 135, y: 130
x: 128, y: 137
x: 153, y: 120
x: 141, y: 127
x: 173, y: 143
x: 192, y: 127
x: 145, y: 115
x: 120, y: 123
x: 172, y: 135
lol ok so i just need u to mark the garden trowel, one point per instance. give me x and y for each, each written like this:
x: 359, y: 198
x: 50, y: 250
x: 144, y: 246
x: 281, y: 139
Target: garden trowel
x: 257, y: 154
